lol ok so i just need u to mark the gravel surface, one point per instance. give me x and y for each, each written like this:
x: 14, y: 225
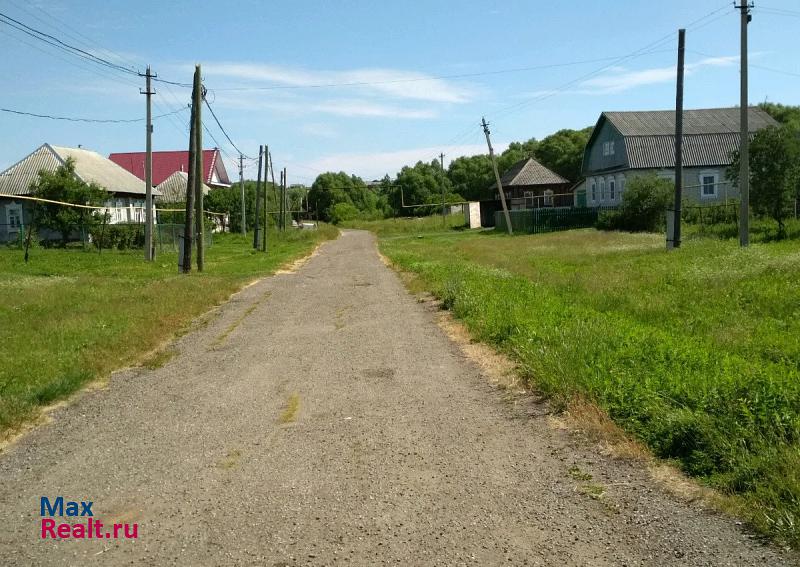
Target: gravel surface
x: 322, y: 417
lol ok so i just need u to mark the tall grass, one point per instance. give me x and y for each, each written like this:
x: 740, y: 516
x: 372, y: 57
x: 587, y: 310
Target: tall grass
x: 696, y: 352
x: 409, y: 225
x: 70, y: 316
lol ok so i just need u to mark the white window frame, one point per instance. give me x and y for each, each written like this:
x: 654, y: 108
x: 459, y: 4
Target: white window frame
x: 605, y: 149
x: 548, y: 198
x: 602, y: 189
x: 612, y: 189
x: 529, y: 199
x: 16, y: 210
x: 702, y: 177
x: 611, y: 147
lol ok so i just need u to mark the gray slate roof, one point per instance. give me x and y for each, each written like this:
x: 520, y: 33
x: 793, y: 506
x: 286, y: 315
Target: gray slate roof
x: 173, y: 188
x: 530, y: 172
x: 89, y: 167
x: 710, y: 135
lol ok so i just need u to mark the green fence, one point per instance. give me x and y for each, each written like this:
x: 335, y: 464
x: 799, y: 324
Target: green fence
x: 534, y: 221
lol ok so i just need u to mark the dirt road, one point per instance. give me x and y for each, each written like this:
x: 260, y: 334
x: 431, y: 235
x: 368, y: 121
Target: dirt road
x: 322, y: 417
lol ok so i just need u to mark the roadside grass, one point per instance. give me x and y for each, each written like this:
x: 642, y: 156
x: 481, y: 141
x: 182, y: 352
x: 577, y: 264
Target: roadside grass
x: 69, y: 317
x: 696, y: 352
x: 409, y: 225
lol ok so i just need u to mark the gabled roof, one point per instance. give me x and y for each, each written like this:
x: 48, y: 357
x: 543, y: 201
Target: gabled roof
x: 167, y: 163
x: 173, y: 188
x: 709, y: 135
x: 530, y: 172
x: 700, y: 121
x: 89, y: 167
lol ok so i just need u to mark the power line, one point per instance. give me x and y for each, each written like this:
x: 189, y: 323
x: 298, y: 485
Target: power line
x: 211, y: 110
x: 94, y: 120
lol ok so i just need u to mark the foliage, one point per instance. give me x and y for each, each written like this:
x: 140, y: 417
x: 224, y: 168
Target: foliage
x: 644, y: 203
x: 330, y: 189
x: 421, y: 184
x: 410, y: 225
x: 75, y: 316
x: 63, y: 185
x: 472, y: 177
x: 562, y: 152
x: 119, y: 236
x: 785, y: 114
x: 695, y: 351
x: 774, y: 173
x: 341, y: 212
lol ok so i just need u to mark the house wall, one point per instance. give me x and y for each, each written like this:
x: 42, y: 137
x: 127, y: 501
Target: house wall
x: 717, y: 192
x: 606, y: 152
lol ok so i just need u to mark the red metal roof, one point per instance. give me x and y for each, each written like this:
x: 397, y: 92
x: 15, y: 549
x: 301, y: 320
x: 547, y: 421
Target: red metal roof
x: 167, y: 163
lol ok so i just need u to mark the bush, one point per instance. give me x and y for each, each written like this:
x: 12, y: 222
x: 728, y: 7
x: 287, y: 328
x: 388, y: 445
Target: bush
x: 343, y: 212
x: 120, y: 236
x: 644, y: 203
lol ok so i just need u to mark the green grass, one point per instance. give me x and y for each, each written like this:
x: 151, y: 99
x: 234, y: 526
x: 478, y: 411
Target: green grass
x: 68, y: 316
x: 409, y: 225
x: 696, y: 352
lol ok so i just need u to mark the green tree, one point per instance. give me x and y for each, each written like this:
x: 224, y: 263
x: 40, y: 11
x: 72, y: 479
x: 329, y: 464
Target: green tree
x: 643, y: 206
x: 774, y: 173
x: 420, y: 185
x: 562, y: 152
x: 330, y: 189
x: 785, y: 114
x: 472, y: 177
x: 65, y: 186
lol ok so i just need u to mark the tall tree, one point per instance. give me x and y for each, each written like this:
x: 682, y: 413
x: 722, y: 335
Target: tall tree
x: 562, y: 152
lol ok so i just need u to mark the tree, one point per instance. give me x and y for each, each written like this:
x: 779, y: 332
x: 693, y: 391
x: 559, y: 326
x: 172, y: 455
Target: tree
x: 562, y: 152
x: 774, y: 173
x: 330, y: 189
x: 65, y: 186
x: 785, y: 114
x: 420, y: 185
x: 644, y: 203
x: 472, y: 177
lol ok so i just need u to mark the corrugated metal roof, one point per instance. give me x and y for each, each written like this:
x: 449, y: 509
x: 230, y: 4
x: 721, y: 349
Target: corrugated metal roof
x: 699, y: 121
x: 89, y: 166
x: 173, y: 188
x: 698, y: 150
x: 530, y: 172
x: 168, y: 162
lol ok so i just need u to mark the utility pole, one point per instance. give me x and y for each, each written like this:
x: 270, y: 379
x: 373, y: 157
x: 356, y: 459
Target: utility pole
x: 497, y: 176
x: 149, y: 250
x: 674, y: 239
x: 199, y: 215
x: 266, y: 205
x: 188, y: 220
x: 744, y: 145
x: 258, y: 198
x: 272, y: 176
x: 441, y: 165
x: 285, y: 208
x: 241, y: 186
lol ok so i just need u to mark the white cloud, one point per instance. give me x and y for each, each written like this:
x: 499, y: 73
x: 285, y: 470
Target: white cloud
x: 374, y: 165
x: 388, y: 82
x: 620, y: 80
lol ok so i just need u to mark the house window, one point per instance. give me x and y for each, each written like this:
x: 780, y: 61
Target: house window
x: 14, y: 217
x: 594, y: 190
x: 708, y: 185
x: 611, y: 148
x: 548, y: 198
x: 612, y: 189
x: 528, y: 199
x: 602, y: 190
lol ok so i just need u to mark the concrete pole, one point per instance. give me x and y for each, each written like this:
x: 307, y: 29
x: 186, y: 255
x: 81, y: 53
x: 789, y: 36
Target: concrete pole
x: 497, y: 176
x: 744, y: 145
x: 676, y: 235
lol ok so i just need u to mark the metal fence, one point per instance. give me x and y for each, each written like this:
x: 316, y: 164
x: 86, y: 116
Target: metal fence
x: 535, y: 221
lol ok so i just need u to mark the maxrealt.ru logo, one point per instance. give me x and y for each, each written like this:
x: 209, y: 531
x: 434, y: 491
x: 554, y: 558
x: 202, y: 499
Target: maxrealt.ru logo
x: 91, y: 528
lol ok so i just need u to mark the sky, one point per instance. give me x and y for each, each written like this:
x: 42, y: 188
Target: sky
x: 369, y: 86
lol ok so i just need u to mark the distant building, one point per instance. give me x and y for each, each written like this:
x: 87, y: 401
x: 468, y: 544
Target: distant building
x: 167, y: 163
x: 173, y: 188
x: 530, y: 185
x: 626, y: 144
x: 126, y: 191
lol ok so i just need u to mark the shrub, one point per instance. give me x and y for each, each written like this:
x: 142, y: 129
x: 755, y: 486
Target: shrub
x: 644, y: 203
x: 120, y: 236
x: 343, y: 212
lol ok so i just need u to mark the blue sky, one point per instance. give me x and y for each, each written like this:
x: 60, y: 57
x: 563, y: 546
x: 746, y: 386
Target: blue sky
x: 405, y: 113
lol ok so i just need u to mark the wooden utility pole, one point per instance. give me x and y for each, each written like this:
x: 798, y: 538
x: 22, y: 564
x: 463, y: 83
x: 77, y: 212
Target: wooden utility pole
x: 256, y: 227
x: 497, y: 176
x: 285, y: 192
x: 199, y: 215
x: 188, y: 221
x: 266, y: 202
x: 674, y: 239
x: 744, y: 144
x: 441, y: 165
x: 149, y: 250
x: 241, y: 186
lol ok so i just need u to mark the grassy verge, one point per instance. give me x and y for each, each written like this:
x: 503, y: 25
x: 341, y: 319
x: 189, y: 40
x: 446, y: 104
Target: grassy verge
x: 69, y: 316
x: 696, y: 352
x: 409, y: 225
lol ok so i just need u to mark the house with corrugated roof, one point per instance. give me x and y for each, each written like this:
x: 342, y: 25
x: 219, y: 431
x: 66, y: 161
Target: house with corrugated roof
x: 173, y: 188
x: 167, y: 163
x: 126, y: 199
x: 626, y: 144
x: 530, y: 185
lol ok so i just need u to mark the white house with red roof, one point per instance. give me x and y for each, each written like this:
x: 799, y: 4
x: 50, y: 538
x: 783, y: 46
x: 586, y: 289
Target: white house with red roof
x: 167, y: 163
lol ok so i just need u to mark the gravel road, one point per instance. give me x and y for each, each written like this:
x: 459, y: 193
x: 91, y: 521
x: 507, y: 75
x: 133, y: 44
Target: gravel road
x: 322, y: 417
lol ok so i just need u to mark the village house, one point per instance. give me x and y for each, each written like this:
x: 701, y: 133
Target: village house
x: 173, y: 188
x: 167, y: 163
x: 627, y: 144
x: 126, y: 200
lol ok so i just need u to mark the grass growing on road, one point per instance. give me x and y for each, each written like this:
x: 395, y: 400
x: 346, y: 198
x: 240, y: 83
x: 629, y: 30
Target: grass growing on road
x: 70, y: 316
x: 696, y: 352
